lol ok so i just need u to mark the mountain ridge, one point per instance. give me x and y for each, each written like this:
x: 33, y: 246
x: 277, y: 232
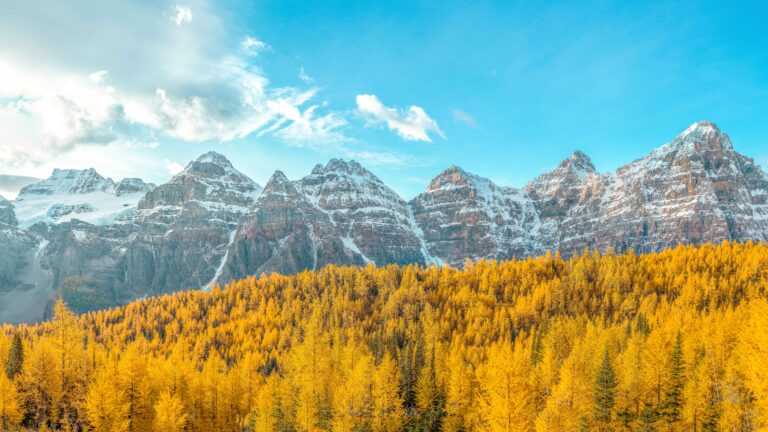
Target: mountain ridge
x: 210, y: 223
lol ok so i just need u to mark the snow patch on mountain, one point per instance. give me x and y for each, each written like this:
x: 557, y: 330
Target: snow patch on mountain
x: 78, y: 194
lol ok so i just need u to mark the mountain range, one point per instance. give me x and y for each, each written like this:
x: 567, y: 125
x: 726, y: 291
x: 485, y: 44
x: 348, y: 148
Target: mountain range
x: 100, y: 243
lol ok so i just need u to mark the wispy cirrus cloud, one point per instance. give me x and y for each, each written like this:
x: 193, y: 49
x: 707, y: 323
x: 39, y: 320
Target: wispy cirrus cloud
x: 254, y: 46
x: 464, y: 117
x: 304, y: 76
x: 411, y: 124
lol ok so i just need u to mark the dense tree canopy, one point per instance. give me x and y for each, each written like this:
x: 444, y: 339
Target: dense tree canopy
x: 674, y: 341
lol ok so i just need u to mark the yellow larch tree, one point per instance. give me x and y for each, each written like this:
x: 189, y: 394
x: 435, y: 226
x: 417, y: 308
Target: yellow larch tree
x: 388, y: 412
x: 106, y: 404
x: 10, y: 412
x: 170, y: 415
x: 507, y: 391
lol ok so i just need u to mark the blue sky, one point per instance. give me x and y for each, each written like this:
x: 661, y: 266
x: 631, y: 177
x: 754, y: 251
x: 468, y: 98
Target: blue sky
x: 503, y: 89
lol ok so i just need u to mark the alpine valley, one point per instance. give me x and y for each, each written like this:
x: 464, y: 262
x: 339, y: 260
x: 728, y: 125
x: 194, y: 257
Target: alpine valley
x: 100, y: 243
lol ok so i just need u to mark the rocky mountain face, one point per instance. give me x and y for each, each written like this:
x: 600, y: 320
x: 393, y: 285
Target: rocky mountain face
x: 7, y: 215
x: 99, y: 243
x: 339, y: 214
x: 694, y: 189
x: 465, y: 216
x: 284, y: 232
x: 19, y: 274
x: 184, y: 227
x: 372, y: 220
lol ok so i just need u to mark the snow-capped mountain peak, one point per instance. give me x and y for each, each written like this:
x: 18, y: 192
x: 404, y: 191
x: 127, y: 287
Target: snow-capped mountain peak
x: 700, y: 127
x: 211, y: 178
x: 132, y: 185
x: 77, y: 194
x: 578, y: 163
x: 68, y: 182
x: 206, y: 225
x: 450, y: 178
x: 340, y: 183
x: 210, y: 165
x: 214, y: 158
x: 279, y: 184
x: 349, y: 167
x: 699, y: 138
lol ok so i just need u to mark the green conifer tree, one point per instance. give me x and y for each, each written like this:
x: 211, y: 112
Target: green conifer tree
x: 15, y: 357
x: 711, y: 420
x: 646, y: 422
x: 605, y: 391
x: 673, y: 395
x: 642, y: 325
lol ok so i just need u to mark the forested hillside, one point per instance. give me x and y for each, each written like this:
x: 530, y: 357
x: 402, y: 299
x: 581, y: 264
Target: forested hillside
x: 673, y: 341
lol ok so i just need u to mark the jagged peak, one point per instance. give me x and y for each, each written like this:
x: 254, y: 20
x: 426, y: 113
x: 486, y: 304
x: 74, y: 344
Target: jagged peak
x: 214, y: 158
x: 454, y: 176
x: 130, y: 185
x: 578, y: 163
x: 702, y: 136
x: 351, y: 170
x: 69, y: 181
x: 318, y: 169
x: 213, y: 165
x: 278, y: 183
x: 133, y: 180
x: 280, y: 186
x: 703, y: 126
x: 341, y: 166
x: 705, y: 134
x: 58, y: 172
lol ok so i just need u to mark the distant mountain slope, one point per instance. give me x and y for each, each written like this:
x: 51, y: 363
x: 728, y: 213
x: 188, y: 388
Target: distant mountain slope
x: 78, y: 194
x: 102, y: 243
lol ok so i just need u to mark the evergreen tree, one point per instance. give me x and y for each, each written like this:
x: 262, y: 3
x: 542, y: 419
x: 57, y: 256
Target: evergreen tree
x: 584, y: 424
x: 625, y: 417
x: 538, y: 344
x: 15, y: 357
x: 673, y: 395
x: 711, y: 421
x: 605, y: 391
x: 642, y: 325
x: 646, y: 422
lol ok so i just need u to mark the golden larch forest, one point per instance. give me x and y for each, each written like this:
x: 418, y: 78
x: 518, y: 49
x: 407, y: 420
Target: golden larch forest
x: 672, y: 341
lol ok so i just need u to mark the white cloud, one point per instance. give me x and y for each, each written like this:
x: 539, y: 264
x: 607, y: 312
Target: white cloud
x: 98, y: 77
x: 412, y: 124
x: 57, y: 113
x: 304, y: 76
x: 379, y: 158
x: 195, y: 84
x: 182, y: 14
x: 306, y: 127
x: 464, y: 117
x: 254, y: 46
x: 172, y: 167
